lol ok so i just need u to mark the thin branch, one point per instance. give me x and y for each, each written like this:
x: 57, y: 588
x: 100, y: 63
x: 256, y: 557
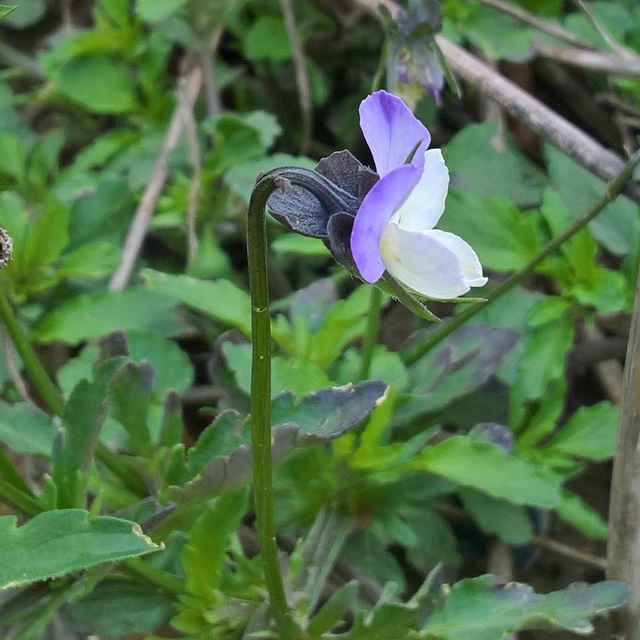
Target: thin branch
x: 623, y: 552
x: 142, y: 217
x: 564, y: 135
x: 569, y: 552
x: 550, y: 28
x: 302, y: 76
x: 190, y: 127
x: 209, y: 74
x: 620, y: 49
x: 596, y: 61
x: 524, y: 107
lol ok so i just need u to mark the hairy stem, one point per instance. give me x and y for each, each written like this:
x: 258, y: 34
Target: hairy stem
x: 414, y: 353
x: 261, y: 404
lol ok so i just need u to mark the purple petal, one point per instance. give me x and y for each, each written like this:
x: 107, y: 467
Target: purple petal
x: 374, y: 213
x: 392, y: 132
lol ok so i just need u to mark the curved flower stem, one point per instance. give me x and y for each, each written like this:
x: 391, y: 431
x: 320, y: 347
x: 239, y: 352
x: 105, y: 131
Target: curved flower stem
x: 261, y: 403
x: 612, y: 191
x: 371, y: 335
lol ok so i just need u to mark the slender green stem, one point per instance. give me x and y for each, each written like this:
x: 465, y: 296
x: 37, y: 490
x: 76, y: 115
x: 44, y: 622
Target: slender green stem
x: 32, y: 364
x: 412, y: 354
x: 18, y: 499
x: 371, y: 336
x: 261, y: 405
x: 138, y: 568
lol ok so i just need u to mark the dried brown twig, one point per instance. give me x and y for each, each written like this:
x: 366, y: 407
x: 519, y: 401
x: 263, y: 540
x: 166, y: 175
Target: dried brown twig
x: 144, y: 212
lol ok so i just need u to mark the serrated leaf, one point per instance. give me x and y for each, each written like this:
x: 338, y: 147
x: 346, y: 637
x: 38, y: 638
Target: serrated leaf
x: 56, y: 543
x: 480, y: 609
x: 83, y: 418
x: 314, y: 418
x: 204, y: 554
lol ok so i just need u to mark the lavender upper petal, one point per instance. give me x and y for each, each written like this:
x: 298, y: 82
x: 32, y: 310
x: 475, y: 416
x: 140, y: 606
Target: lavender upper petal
x: 392, y: 132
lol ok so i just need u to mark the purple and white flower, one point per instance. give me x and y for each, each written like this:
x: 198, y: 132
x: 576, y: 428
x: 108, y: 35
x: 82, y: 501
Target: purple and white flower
x: 394, y: 226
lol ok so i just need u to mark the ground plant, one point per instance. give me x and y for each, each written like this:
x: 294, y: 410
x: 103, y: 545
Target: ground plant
x: 318, y: 319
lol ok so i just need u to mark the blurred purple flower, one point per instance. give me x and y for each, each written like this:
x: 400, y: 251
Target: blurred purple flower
x: 393, y: 229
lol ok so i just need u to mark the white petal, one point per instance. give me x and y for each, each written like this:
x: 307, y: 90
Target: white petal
x: 469, y: 262
x: 422, y: 262
x: 424, y: 206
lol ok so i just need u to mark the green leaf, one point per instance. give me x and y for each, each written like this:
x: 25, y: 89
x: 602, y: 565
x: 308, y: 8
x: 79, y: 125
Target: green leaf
x: 479, y: 169
x: 102, y: 212
x: 387, y: 620
x: 92, y: 260
x: 26, y: 429
x: 13, y: 155
x: 204, y: 555
x: 100, y: 84
x: 242, y: 177
x: 590, y: 433
x: 117, y: 607
x: 574, y: 510
x: 299, y: 245
x: 334, y: 609
x: 171, y: 365
x: 130, y: 402
x: 455, y: 368
x: 93, y: 316
x: 267, y: 39
x: 157, y: 10
x: 287, y: 374
x: 485, y: 466
x: 314, y: 418
x: 222, y: 300
x: 56, y: 543
x: 544, y: 357
x: 616, y: 226
x: 480, y: 609
x: 504, y: 238
x: 83, y: 417
x: 6, y: 9
x: 28, y: 13
x: 509, y: 521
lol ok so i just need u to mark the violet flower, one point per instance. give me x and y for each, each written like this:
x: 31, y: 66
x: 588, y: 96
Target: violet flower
x: 393, y: 229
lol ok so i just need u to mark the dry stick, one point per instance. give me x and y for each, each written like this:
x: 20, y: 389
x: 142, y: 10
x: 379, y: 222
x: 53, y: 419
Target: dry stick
x: 623, y: 553
x: 620, y: 49
x: 186, y: 108
x: 566, y: 136
x: 302, y: 77
x: 142, y: 217
x: 209, y: 74
x: 598, y: 61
